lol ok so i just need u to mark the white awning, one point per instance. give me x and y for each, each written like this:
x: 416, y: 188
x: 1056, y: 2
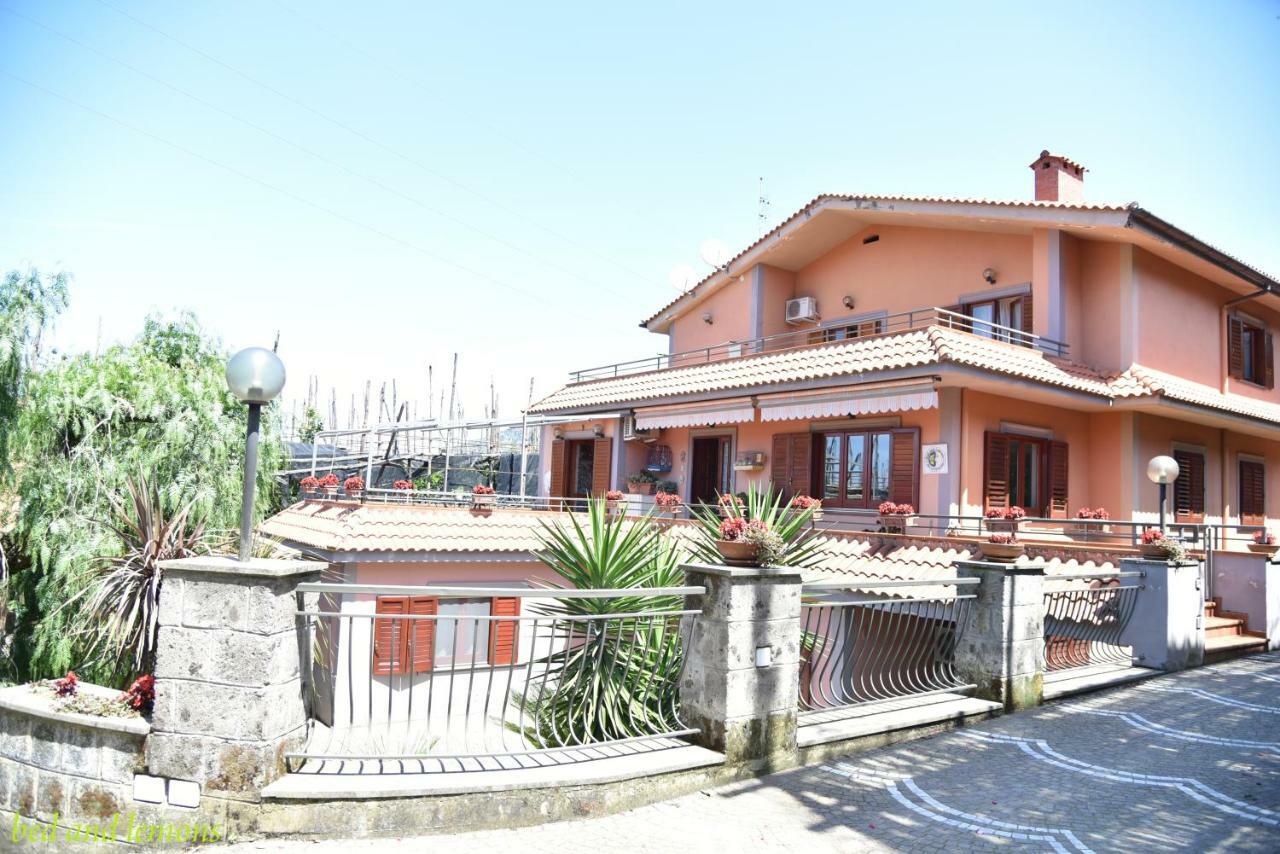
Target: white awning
x: 733, y: 411
x: 855, y: 400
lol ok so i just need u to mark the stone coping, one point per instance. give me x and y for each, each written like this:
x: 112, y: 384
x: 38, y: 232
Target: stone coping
x: 823, y: 726
x: 227, y: 565
x: 336, y: 785
x: 1009, y: 568
x: 22, y: 699
x: 743, y: 571
x: 1083, y: 680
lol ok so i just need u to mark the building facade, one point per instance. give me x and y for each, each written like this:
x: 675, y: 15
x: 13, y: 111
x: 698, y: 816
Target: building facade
x: 959, y: 355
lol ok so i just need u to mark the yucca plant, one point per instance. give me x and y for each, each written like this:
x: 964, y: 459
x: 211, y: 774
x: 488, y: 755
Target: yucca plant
x: 608, y: 677
x: 118, y: 619
x: 763, y: 505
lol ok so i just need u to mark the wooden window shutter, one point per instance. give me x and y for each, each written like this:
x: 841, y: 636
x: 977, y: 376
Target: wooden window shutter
x: 601, y: 470
x: 390, y: 639
x: 904, y: 450
x: 504, y: 635
x: 1028, y: 307
x: 1188, y: 489
x: 1235, y: 348
x: 995, y: 480
x: 423, y: 647
x: 1253, y: 503
x: 1268, y: 362
x: 1058, y: 474
x: 557, y: 468
x: 780, y: 462
x: 792, y: 463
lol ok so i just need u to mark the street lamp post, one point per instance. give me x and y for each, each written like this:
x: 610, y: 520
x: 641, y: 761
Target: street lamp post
x: 1162, y: 471
x: 255, y: 376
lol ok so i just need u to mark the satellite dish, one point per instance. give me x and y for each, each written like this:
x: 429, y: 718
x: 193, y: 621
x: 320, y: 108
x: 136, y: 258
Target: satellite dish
x: 682, y: 277
x: 714, y: 252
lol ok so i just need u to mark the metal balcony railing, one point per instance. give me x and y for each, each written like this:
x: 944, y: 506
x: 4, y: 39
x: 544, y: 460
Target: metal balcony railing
x: 1085, y: 617
x: 415, y: 679
x: 830, y: 333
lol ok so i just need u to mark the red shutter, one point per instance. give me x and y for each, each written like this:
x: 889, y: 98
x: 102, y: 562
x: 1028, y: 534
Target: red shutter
x: 1235, y: 348
x: 1057, y: 480
x: 1268, y: 362
x: 792, y: 461
x: 557, y: 468
x: 1028, y: 306
x: 1188, y: 489
x: 902, y: 469
x: 390, y: 637
x: 504, y: 635
x: 995, y: 481
x: 601, y: 473
x: 423, y: 647
x: 1253, y: 495
x: 780, y: 461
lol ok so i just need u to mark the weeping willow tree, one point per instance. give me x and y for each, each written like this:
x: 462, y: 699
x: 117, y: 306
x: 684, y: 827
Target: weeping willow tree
x: 81, y: 427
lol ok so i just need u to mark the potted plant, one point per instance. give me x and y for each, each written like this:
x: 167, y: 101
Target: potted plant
x: 1007, y: 520
x: 807, y: 502
x: 1156, y: 546
x: 1264, y: 542
x: 668, y: 503
x: 483, y: 497
x: 1090, y: 521
x: 894, y: 518
x: 1002, y: 547
x: 353, y: 487
x: 309, y: 486
x: 641, y: 483
x: 730, y: 505
x: 613, y: 502
x: 404, y: 486
x: 329, y: 485
x: 735, y: 549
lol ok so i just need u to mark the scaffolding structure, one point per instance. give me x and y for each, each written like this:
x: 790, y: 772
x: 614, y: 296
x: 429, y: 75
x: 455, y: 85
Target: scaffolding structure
x: 438, y: 457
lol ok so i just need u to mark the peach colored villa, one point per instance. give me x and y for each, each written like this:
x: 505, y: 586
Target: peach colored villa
x: 955, y: 354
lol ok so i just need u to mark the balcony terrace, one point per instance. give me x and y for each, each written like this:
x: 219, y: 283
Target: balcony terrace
x: 825, y: 334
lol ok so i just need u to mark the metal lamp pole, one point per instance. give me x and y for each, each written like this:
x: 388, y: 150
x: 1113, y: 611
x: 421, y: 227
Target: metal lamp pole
x: 256, y: 377
x: 1163, y: 471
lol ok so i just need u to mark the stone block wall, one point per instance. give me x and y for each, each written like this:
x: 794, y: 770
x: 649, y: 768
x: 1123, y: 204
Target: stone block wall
x: 65, y: 768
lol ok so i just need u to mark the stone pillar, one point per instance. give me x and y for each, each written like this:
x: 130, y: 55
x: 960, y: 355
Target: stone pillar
x: 228, y: 681
x: 741, y: 679
x: 1167, y: 626
x: 1002, y: 649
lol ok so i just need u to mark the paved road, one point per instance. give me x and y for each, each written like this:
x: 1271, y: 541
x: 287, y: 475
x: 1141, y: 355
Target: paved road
x: 1188, y: 762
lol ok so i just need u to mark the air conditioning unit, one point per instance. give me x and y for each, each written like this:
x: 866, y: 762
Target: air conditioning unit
x: 802, y: 310
x: 631, y: 433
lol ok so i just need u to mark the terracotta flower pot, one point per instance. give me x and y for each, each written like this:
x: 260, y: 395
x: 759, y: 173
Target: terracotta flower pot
x: 354, y: 494
x: 1004, y: 526
x: 1154, y: 551
x: 329, y: 491
x: 638, y: 488
x: 1003, y: 552
x: 1263, y: 548
x: 896, y: 523
x: 738, y: 552
x: 483, y: 501
x: 613, y: 507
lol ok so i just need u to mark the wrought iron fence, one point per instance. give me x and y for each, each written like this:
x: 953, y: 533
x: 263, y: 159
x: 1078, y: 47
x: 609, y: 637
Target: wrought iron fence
x: 1085, y: 619
x: 451, y: 678
x: 860, y: 645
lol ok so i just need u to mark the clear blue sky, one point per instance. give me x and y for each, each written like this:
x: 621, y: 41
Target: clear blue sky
x: 386, y: 183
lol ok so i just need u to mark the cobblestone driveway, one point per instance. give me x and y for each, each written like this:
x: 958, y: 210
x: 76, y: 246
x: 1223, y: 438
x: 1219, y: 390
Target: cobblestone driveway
x: 1189, y: 762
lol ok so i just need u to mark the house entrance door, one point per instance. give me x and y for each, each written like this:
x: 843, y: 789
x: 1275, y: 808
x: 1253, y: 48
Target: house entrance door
x: 712, y: 468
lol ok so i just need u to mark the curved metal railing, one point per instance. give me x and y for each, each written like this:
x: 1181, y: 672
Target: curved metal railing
x: 861, y: 645
x: 1085, y: 621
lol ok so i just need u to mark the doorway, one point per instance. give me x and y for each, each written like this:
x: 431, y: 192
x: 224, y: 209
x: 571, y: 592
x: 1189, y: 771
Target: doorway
x: 579, y: 461
x: 711, y: 471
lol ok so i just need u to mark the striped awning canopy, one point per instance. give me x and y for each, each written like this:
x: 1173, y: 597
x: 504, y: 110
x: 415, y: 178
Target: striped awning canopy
x: 731, y: 411
x: 852, y: 400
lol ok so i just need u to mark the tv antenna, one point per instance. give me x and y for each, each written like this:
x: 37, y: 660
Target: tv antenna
x: 762, y: 208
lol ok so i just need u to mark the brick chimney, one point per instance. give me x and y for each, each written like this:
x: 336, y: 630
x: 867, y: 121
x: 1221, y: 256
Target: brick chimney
x: 1058, y: 179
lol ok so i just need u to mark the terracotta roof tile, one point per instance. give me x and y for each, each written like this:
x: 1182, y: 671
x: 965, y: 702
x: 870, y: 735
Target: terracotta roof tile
x: 1197, y: 394
x: 927, y: 346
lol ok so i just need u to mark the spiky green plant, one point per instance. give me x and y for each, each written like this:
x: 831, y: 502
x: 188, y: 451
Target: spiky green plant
x: 608, y: 677
x: 119, y: 601
x: 767, y: 506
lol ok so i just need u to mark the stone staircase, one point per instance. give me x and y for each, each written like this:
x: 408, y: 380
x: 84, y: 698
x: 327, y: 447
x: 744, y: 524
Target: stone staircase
x: 1227, y: 635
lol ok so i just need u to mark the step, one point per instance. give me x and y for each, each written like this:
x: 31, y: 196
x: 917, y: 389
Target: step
x: 1220, y: 648
x: 1211, y: 607
x: 1218, y: 627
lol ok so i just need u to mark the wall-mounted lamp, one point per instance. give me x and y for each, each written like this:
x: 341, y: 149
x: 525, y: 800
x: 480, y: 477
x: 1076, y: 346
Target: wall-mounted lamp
x: 706, y: 318
x: 558, y: 432
x: 990, y: 275
x: 848, y: 301
x: 598, y: 429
